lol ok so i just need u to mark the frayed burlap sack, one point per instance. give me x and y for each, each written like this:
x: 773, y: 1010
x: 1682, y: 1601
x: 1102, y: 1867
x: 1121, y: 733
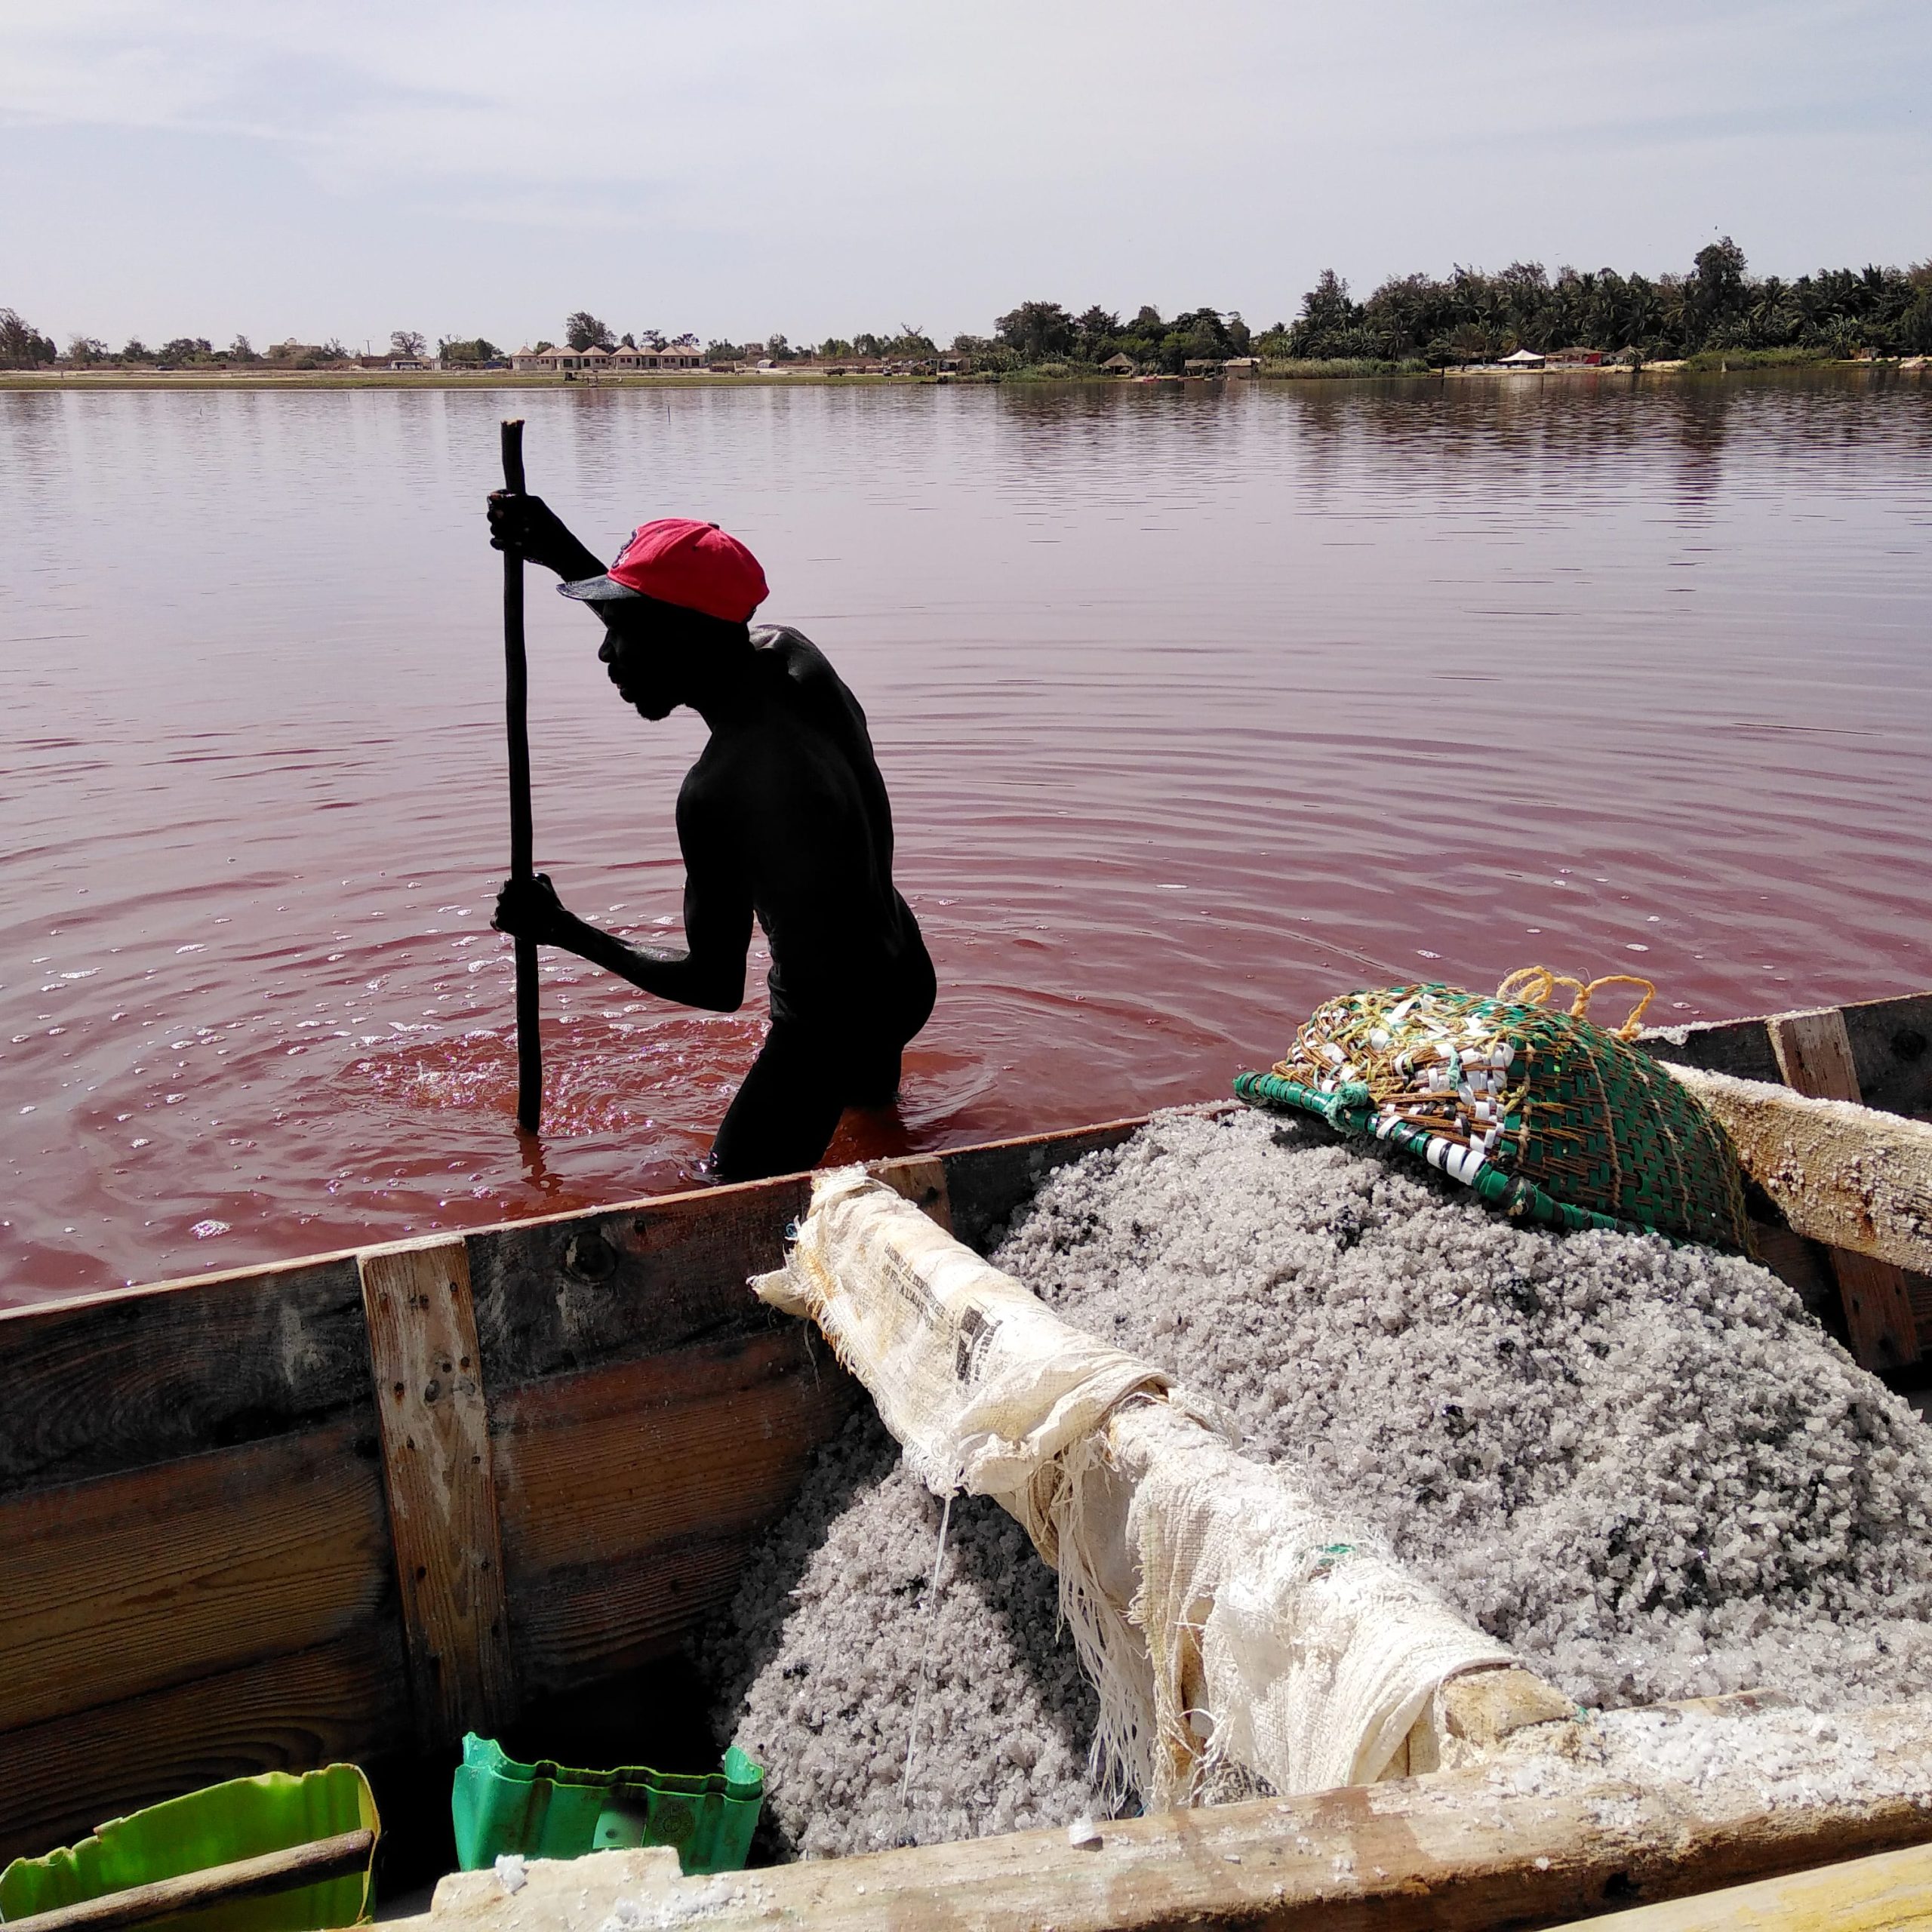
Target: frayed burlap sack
x: 973, y: 1374
x: 1221, y: 1613
x: 1282, y: 1636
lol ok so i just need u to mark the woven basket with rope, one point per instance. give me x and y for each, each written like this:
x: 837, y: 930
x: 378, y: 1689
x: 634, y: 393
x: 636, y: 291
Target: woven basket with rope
x: 1543, y: 1112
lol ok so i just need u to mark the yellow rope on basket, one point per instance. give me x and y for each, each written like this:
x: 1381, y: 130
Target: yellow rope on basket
x: 1532, y: 986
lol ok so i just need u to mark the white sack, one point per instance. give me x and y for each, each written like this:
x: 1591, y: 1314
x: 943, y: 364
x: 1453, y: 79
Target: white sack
x: 1293, y: 1632
x: 983, y: 1385
x: 1221, y: 1612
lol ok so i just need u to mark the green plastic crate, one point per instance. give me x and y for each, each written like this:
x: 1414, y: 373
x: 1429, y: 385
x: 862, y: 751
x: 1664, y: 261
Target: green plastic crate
x: 547, y: 1810
x: 245, y: 1818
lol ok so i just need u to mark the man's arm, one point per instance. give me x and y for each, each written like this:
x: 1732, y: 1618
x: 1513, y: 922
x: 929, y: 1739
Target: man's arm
x: 528, y: 524
x: 718, y: 927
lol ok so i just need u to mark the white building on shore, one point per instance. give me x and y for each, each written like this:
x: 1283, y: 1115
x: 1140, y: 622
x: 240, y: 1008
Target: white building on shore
x: 597, y: 361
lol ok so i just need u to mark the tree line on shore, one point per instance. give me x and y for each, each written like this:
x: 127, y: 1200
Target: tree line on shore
x: 1719, y: 307
x: 1418, y: 320
x: 1472, y: 315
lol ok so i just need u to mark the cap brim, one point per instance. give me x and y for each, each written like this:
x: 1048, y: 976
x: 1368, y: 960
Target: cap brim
x: 597, y: 590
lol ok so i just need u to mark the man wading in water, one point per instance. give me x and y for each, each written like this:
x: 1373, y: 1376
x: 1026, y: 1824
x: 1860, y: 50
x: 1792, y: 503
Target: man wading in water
x: 784, y: 816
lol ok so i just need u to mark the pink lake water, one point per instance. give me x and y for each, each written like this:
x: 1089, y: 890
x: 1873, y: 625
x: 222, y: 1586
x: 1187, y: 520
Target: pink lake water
x: 1195, y: 706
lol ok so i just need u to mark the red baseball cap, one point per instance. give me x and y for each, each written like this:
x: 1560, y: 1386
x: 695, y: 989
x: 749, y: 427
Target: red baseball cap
x: 678, y: 561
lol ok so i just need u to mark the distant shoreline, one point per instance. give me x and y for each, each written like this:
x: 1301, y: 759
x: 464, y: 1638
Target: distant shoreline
x: 498, y: 379
x: 419, y: 379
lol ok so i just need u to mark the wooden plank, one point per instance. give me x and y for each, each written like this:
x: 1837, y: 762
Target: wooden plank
x: 1889, y: 1892
x: 131, y: 1583
x: 1842, y: 1174
x: 1919, y: 1286
x: 1805, y: 1265
x: 631, y: 1495
x: 346, y: 1701
x: 118, y: 1381
x: 1891, y: 1041
x: 1880, y: 1323
x: 1814, y: 1055
x: 440, y: 1483
x: 343, y: 1856
x: 921, y: 1178
x: 579, y: 1626
x: 554, y: 1296
x: 1739, y: 1047
x: 1813, y: 1052
x: 1511, y: 1843
x: 1891, y: 1045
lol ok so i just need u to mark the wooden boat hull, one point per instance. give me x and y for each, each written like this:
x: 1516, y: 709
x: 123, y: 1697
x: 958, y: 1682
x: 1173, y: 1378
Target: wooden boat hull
x: 287, y: 1515
x: 198, y: 1554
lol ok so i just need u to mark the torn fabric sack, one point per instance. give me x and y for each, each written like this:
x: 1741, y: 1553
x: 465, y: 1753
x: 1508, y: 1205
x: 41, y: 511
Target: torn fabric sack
x: 1222, y: 1611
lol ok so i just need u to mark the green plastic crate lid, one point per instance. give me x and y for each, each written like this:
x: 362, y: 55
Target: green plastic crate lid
x: 549, y: 1810
x: 245, y: 1818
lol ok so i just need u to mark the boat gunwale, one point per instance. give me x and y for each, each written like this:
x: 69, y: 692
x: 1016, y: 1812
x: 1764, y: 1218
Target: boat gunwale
x: 1689, y: 1043
x: 723, y: 1193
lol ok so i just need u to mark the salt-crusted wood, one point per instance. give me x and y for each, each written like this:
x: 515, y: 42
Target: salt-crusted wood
x: 442, y: 1497
x: 1528, y: 1842
x: 1474, y: 1713
x: 1891, y: 1047
x: 1840, y: 1174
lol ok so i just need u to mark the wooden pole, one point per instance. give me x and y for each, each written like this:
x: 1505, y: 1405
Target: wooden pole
x: 516, y: 694
x: 336, y: 1857
x: 1843, y: 1174
x: 1813, y: 1052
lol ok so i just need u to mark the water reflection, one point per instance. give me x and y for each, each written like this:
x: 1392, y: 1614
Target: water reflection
x: 1196, y: 704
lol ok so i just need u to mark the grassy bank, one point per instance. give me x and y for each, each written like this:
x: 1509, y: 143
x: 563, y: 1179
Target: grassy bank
x: 1337, y: 368
x: 1716, y: 361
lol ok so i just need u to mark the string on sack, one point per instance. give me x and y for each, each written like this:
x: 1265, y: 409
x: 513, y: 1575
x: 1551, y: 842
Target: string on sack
x: 925, y: 1653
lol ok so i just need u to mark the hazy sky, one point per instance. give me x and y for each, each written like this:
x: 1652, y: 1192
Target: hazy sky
x: 171, y: 166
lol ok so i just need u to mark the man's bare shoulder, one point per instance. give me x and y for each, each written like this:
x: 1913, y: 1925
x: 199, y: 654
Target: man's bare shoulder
x: 821, y: 694
x: 801, y: 660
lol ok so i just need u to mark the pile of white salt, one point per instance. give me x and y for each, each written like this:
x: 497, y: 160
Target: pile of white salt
x: 1645, y: 1467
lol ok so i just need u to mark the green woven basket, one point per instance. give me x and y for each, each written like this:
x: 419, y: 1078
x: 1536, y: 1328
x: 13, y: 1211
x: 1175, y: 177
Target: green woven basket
x: 1541, y: 1112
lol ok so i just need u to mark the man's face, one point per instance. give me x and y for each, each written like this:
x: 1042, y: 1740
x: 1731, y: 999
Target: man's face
x: 639, y: 663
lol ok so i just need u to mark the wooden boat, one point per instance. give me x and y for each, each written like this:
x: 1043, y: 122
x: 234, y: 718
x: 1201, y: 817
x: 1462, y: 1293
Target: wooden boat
x: 348, y: 1506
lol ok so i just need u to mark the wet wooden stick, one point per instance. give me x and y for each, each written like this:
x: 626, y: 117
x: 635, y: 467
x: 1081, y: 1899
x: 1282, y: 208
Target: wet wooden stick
x: 249, y: 1878
x: 516, y: 696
